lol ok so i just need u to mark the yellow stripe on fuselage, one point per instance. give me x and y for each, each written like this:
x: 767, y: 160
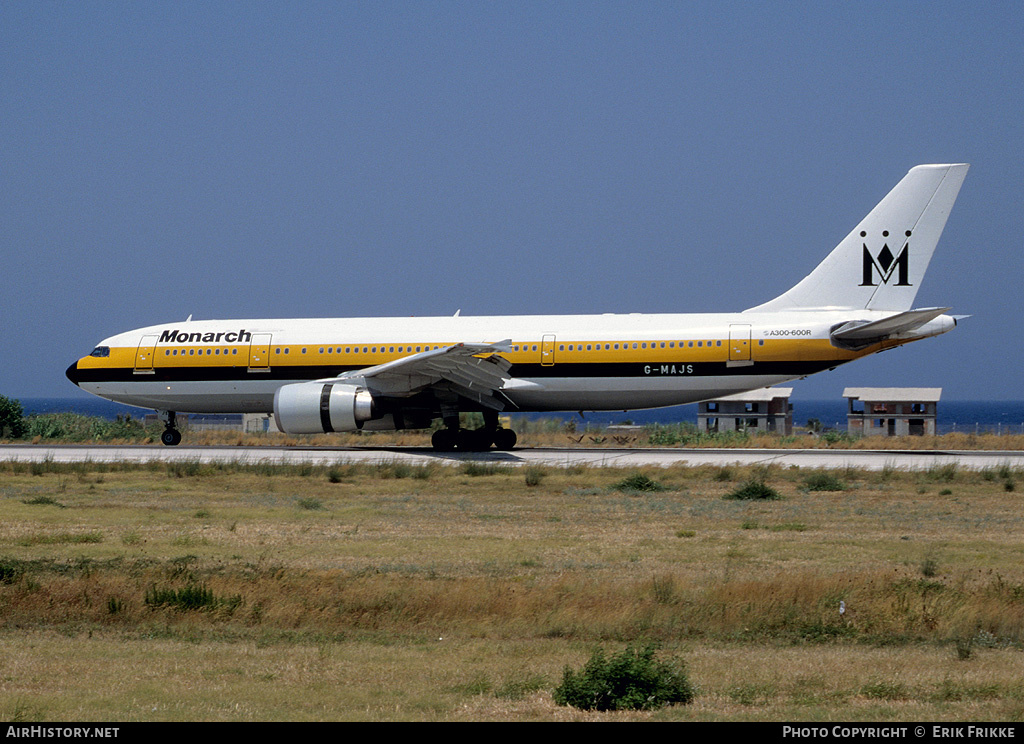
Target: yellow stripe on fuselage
x: 582, y: 352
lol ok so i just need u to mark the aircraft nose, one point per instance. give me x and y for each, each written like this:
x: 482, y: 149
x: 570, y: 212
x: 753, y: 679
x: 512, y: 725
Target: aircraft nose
x: 72, y: 373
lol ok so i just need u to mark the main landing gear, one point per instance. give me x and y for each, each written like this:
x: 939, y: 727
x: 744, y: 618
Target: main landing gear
x: 473, y: 440
x: 170, y: 436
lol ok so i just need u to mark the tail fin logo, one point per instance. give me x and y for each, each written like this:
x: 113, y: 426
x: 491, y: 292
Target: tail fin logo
x: 886, y: 264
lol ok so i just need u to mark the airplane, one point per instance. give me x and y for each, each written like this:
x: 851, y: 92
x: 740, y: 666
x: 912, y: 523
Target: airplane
x: 351, y: 374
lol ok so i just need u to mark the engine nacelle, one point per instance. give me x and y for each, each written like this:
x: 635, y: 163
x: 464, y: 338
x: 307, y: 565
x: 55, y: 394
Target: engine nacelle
x: 321, y: 407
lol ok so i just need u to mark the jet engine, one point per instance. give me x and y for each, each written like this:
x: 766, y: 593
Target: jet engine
x: 319, y: 407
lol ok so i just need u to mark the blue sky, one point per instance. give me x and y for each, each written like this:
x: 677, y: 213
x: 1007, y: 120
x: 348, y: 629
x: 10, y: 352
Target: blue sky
x: 299, y: 159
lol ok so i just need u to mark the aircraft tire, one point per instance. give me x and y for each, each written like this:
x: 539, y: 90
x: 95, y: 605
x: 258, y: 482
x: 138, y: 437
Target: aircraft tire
x: 505, y: 439
x: 443, y: 440
x: 171, y: 437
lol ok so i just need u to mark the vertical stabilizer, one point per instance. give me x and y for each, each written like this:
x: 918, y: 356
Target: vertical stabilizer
x: 880, y: 264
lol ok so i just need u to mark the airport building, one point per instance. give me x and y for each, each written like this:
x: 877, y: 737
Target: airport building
x: 764, y: 410
x: 892, y: 412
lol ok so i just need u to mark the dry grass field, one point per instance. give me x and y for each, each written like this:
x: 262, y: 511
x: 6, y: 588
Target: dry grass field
x: 395, y: 592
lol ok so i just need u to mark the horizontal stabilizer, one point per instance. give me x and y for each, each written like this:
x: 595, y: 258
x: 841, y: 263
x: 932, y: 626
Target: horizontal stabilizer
x: 858, y: 332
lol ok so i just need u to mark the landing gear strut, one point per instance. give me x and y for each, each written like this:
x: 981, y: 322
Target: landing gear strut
x: 170, y: 436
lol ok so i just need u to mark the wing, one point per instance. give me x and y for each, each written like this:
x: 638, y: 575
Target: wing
x: 474, y: 371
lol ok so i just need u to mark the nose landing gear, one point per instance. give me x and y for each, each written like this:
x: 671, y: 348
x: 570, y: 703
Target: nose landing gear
x: 170, y: 436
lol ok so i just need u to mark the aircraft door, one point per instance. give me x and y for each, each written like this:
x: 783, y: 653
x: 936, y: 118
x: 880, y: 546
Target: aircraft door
x: 259, y: 352
x: 547, y: 350
x: 739, y: 343
x: 145, y: 355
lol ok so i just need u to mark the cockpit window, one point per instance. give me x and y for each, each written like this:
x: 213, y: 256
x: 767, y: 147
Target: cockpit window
x: 101, y: 351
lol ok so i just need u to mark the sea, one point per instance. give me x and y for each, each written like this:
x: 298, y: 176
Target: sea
x: 978, y: 416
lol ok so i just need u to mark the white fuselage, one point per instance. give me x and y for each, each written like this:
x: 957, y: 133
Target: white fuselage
x: 570, y: 362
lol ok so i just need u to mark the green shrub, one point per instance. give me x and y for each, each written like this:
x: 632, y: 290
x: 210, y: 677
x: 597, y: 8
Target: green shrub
x: 12, y: 421
x: 631, y: 680
x: 753, y: 490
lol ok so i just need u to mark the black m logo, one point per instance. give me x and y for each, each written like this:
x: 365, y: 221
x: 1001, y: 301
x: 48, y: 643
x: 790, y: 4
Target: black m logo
x: 886, y: 265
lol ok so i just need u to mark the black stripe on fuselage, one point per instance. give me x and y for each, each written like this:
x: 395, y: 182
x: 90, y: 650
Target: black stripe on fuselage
x: 638, y: 370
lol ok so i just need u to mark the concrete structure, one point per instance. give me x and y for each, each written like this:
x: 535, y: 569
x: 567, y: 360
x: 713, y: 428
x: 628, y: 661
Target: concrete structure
x: 892, y: 412
x: 767, y: 409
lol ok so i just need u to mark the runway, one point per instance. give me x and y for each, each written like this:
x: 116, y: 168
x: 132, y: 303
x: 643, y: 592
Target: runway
x: 559, y: 457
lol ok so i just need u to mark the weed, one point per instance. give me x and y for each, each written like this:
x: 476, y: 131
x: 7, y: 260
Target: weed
x: 754, y: 490
x: 750, y: 694
x: 190, y: 598
x: 945, y: 473
x: 519, y: 687
x: 884, y: 691
x: 310, y: 504
x: 665, y: 590
x: 480, y: 469
x: 534, y: 475
x: 824, y: 481
x: 44, y: 501
x: 639, y: 483
x: 62, y: 538
x: 11, y: 570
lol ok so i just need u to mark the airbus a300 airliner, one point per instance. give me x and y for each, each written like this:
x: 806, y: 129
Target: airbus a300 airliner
x: 347, y: 374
